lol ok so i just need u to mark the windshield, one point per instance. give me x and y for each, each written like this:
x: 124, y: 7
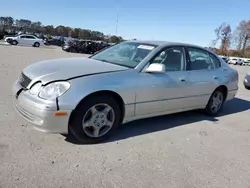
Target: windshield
x: 128, y: 54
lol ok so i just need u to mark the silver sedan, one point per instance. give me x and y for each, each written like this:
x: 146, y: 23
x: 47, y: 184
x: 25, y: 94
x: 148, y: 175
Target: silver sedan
x: 91, y: 97
x: 247, y: 81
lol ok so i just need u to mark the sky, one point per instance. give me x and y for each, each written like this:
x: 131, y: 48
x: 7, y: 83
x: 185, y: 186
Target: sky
x: 189, y: 21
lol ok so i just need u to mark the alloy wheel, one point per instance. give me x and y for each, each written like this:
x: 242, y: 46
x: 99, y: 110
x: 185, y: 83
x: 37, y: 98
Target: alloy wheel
x: 98, y: 120
x: 217, y: 101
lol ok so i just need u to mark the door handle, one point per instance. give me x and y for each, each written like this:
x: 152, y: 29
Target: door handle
x: 215, y: 77
x: 182, y: 79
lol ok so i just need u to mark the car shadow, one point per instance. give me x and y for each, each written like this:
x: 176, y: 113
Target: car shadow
x: 4, y: 44
x: 27, y: 46
x: 155, y: 124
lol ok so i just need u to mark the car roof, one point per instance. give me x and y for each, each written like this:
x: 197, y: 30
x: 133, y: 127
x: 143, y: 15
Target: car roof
x: 164, y: 43
x: 27, y: 35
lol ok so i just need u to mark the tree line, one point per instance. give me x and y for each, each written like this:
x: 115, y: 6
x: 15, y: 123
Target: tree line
x: 37, y: 28
x: 233, y: 42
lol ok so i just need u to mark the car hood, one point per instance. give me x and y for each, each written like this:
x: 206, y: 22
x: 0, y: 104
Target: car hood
x: 67, y: 68
x: 10, y: 37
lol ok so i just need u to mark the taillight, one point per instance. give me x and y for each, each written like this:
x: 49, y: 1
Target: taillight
x: 235, y: 76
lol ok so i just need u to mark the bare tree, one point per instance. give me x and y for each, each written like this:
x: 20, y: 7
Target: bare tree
x: 243, y: 31
x: 24, y: 25
x: 223, y: 34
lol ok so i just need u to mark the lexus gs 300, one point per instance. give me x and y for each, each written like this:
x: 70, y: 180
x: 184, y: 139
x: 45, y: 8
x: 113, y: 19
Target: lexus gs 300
x: 90, y: 97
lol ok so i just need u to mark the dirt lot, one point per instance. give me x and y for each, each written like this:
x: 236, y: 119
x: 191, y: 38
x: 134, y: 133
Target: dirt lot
x: 181, y: 150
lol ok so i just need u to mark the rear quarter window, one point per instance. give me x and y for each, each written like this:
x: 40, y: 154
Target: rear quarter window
x: 215, y: 61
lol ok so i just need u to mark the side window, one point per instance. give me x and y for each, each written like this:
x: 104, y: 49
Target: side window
x: 30, y: 37
x: 215, y: 61
x: 173, y: 58
x: 23, y: 36
x: 202, y: 60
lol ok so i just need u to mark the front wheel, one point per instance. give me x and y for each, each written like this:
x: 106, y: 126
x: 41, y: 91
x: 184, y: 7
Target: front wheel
x: 95, y: 119
x: 247, y: 87
x: 215, y: 102
x: 14, y: 42
x: 8, y: 41
x: 37, y: 44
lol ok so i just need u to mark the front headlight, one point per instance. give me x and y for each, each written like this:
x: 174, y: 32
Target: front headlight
x: 35, y: 88
x: 54, y: 90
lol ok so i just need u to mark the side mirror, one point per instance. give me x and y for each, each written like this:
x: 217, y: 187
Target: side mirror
x: 156, y: 68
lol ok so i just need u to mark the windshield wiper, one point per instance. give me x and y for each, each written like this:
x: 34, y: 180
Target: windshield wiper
x: 104, y: 60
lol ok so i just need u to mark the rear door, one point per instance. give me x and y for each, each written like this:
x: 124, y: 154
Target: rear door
x: 30, y: 40
x: 205, y: 75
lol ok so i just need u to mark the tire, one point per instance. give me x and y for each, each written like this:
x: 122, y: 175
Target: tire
x: 14, y: 42
x: 8, y: 40
x: 247, y: 87
x: 210, y: 108
x: 36, y: 44
x: 87, y: 135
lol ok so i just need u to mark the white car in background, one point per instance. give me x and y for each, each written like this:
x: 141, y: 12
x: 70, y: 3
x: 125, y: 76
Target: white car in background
x: 240, y: 61
x: 246, y: 62
x: 233, y: 61
x: 24, y: 39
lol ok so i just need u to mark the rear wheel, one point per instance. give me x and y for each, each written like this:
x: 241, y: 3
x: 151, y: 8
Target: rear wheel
x: 95, y: 119
x: 215, y: 102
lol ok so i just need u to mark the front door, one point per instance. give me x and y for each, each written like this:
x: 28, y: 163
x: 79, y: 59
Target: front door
x: 22, y: 40
x: 160, y: 92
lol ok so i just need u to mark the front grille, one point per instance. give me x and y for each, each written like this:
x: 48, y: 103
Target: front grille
x: 24, y: 80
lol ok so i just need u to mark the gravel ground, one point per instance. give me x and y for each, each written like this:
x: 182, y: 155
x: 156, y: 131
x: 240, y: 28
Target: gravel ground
x: 181, y: 150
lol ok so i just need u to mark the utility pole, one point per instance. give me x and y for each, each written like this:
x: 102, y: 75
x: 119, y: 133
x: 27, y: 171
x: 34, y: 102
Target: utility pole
x: 117, y: 20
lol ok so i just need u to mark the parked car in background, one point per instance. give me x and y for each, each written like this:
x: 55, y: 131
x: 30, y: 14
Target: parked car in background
x: 224, y: 58
x: 246, y: 62
x: 233, y: 61
x: 24, y: 39
x: 131, y: 80
x: 240, y: 62
x: 101, y: 45
x: 70, y: 46
x: 247, y: 81
x: 84, y: 46
x: 56, y: 42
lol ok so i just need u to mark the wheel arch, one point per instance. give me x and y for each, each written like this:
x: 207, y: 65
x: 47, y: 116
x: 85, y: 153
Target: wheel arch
x: 115, y: 95
x: 11, y: 40
x: 37, y: 42
x: 224, y: 89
